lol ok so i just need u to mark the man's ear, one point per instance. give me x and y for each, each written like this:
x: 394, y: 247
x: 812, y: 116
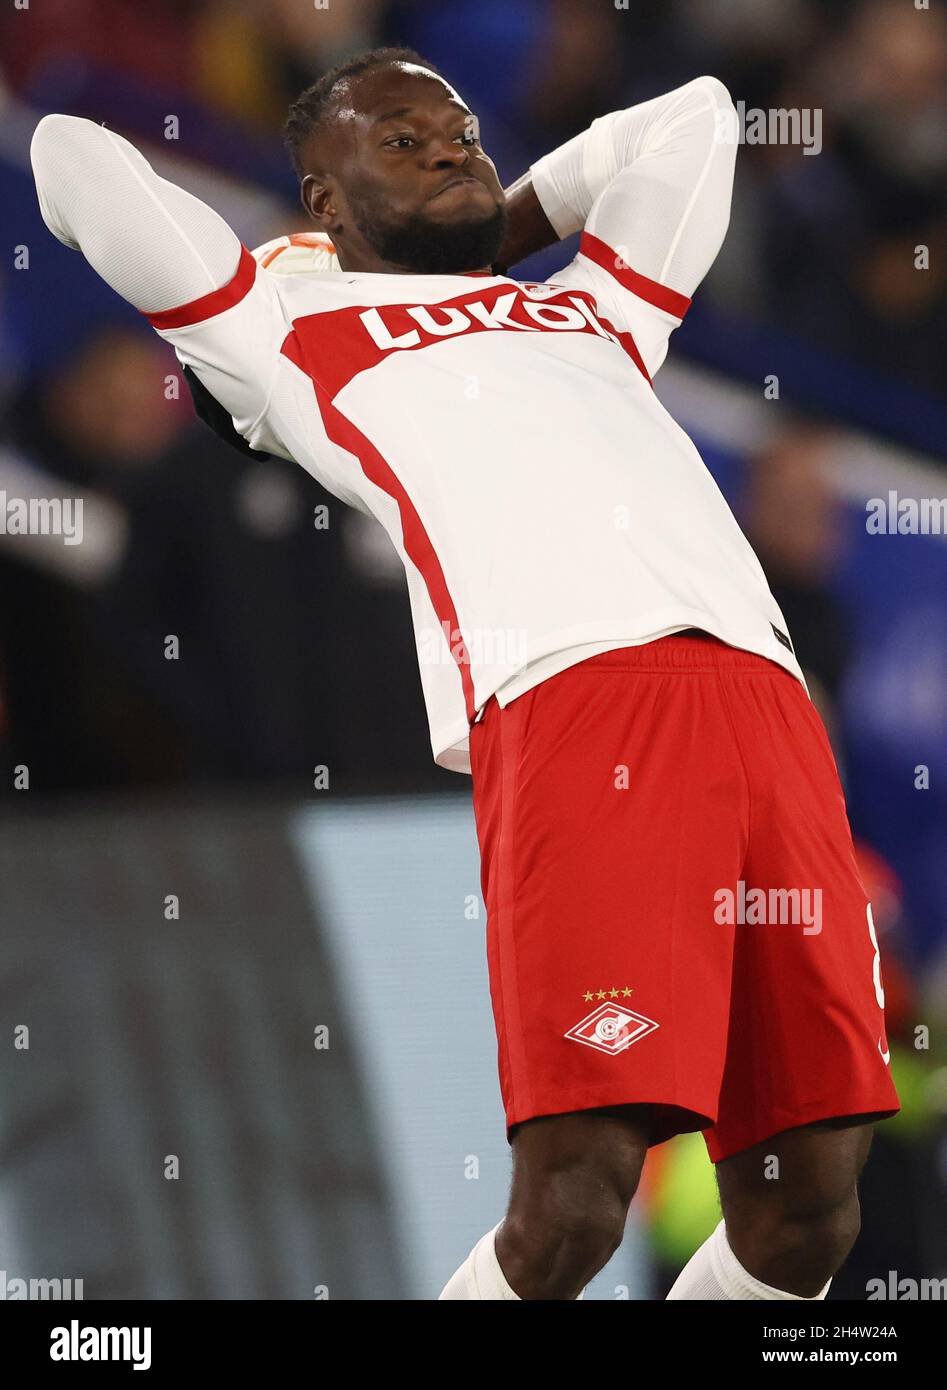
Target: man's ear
x: 317, y: 198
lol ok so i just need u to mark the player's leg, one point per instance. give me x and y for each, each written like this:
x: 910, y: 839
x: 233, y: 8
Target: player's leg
x: 573, y: 1179
x: 791, y: 1203
x: 791, y: 1216
x: 806, y: 1067
x: 609, y: 800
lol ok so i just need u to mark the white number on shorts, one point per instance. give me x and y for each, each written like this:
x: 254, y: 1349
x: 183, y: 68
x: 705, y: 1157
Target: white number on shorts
x: 876, y: 963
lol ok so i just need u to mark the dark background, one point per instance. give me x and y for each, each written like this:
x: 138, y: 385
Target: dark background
x: 296, y: 645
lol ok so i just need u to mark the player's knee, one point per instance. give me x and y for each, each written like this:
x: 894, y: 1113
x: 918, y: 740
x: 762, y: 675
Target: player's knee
x: 553, y: 1249
x: 573, y: 1179
x: 825, y: 1202
x: 563, y: 1228
x: 813, y: 1231
x: 826, y: 1229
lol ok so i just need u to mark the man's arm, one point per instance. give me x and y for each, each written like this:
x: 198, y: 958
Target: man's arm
x: 528, y: 229
x: 649, y: 187
x: 167, y: 253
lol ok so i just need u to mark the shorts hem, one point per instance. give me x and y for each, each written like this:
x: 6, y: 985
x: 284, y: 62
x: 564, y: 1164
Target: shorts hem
x: 747, y: 1137
x: 607, y: 1096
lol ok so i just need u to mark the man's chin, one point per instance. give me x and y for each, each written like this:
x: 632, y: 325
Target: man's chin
x: 442, y: 245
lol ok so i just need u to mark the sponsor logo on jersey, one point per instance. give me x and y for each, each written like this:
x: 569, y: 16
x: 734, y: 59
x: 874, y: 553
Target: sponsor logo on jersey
x: 334, y: 346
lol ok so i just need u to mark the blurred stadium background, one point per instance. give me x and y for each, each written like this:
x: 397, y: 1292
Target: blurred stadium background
x: 367, y: 1167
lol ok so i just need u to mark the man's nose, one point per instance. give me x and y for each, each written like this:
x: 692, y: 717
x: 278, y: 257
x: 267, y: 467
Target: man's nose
x: 445, y: 154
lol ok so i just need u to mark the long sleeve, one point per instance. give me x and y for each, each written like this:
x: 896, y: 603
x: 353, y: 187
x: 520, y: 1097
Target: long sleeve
x: 167, y: 253
x: 650, y: 189
x: 155, y: 244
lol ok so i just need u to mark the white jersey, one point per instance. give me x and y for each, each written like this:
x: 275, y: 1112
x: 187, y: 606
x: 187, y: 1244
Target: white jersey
x: 506, y: 434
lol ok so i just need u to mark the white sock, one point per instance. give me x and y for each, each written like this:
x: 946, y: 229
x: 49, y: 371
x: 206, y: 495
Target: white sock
x: 714, y: 1272
x: 480, y: 1275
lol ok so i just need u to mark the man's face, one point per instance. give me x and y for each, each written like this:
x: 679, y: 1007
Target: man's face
x: 398, y: 178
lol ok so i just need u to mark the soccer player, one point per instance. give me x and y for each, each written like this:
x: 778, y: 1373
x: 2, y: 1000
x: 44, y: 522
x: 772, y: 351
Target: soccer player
x: 597, y: 642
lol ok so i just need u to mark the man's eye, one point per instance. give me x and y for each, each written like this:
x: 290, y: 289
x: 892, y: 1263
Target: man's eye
x: 468, y: 138
x: 397, y: 139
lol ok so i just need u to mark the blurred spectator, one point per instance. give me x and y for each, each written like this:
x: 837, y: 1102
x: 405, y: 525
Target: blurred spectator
x: 295, y: 642
x: 254, y: 57
x: 151, y: 42
x: 791, y: 518
x: 295, y: 637
x: 78, y: 431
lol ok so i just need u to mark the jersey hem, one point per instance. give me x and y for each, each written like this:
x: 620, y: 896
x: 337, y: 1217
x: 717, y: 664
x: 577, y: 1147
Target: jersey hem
x: 452, y: 750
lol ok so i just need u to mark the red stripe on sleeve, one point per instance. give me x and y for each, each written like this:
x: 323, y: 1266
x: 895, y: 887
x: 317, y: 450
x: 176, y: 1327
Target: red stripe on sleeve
x: 650, y: 290
x: 210, y: 304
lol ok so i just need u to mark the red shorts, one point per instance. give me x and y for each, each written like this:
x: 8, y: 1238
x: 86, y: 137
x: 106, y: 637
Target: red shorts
x: 674, y: 912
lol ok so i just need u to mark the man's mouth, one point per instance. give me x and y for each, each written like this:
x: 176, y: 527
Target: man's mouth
x: 454, y: 183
